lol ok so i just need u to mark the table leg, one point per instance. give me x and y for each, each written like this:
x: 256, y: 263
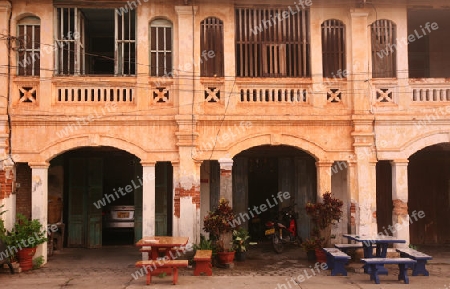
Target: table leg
x: 403, y: 273
x: 382, y: 253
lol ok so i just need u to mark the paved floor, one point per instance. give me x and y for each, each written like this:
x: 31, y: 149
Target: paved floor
x: 113, y: 266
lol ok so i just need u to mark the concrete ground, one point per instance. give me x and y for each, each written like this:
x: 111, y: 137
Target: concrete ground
x: 113, y: 266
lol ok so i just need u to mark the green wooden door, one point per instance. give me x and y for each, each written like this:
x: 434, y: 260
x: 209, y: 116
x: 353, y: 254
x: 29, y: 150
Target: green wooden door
x: 94, y: 192
x: 77, y: 187
x: 85, y: 188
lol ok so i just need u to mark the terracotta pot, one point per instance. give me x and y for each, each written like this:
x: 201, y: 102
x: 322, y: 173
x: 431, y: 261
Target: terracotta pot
x: 321, y: 256
x: 225, y: 257
x: 26, y: 258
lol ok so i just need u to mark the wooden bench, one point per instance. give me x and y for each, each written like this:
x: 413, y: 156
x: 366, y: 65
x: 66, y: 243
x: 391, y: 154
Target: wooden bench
x: 336, y: 260
x: 402, y: 262
x: 421, y: 258
x: 154, y: 266
x: 202, y: 260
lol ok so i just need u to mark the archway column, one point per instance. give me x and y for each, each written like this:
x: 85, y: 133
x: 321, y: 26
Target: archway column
x: 39, y: 200
x: 148, y: 199
x: 400, y: 217
x: 226, y: 179
x: 323, y: 178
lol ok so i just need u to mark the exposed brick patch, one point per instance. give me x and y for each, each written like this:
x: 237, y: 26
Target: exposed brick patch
x: 6, y: 183
x: 400, y: 208
x: 225, y: 173
x: 23, y: 196
x: 180, y: 192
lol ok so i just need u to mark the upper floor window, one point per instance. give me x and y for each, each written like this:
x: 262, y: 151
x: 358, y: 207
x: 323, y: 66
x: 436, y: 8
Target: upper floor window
x: 95, y: 41
x: 28, y: 53
x: 272, y: 42
x: 211, y: 47
x: 333, y: 48
x: 160, y: 48
x: 384, y: 49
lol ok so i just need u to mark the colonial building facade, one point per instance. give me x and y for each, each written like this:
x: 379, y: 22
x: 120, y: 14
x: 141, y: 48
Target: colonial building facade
x: 170, y: 105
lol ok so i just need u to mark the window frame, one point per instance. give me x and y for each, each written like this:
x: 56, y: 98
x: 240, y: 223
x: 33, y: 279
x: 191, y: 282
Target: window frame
x: 381, y: 41
x: 212, y: 39
x: 333, y: 48
x: 167, y: 70
x: 29, y: 52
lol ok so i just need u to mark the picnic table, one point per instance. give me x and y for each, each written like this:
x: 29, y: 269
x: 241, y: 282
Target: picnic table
x: 381, y: 242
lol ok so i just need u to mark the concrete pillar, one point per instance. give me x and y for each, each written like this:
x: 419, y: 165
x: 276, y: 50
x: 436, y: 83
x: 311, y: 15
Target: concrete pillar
x: 5, y: 10
x: 186, y: 199
x: 400, y: 217
x: 366, y: 190
x: 226, y: 179
x: 323, y: 178
x: 185, y: 56
x: 39, y: 200
x: 148, y: 199
x: 352, y: 185
x: 359, y: 58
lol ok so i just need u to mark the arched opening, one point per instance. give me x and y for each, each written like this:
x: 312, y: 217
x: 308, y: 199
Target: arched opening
x: 96, y: 192
x: 429, y: 191
x: 259, y: 173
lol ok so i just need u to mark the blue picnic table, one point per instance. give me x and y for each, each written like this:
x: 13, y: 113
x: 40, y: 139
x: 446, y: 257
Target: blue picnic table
x: 381, y: 242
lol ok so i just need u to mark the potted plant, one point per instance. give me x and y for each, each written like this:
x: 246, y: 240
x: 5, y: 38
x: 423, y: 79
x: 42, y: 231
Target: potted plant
x: 240, y: 243
x: 322, y: 215
x: 25, y: 236
x: 219, y: 222
x: 310, y: 245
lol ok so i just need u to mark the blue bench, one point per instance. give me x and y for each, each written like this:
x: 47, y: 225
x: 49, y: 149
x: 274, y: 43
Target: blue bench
x: 402, y: 262
x: 336, y: 260
x: 421, y: 258
x: 345, y: 247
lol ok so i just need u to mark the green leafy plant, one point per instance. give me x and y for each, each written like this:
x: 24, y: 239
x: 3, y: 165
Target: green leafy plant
x: 218, y: 222
x: 240, y: 240
x: 3, y: 231
x: 38, y: 262
x: 26, y: 233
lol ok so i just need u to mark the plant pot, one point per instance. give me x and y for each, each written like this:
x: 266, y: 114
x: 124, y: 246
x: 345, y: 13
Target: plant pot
x: 311, y: 254
x: 225, y: 257
x: 240, y: 256
x: 321, y: 256
x: 26, y: 258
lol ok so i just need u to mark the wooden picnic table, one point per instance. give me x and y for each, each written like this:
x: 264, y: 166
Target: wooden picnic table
x: 166, y: 243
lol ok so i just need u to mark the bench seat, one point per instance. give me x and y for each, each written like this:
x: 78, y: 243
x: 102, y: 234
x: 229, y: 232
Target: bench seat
x: 203, y: 264
x: 155, y: 266
x: 421, y: 258
x: 336, y: 260
x: 402, y: 262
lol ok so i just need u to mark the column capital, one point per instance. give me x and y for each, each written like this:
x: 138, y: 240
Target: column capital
x: 399, y: 162
x: 226, y: 164
x: 39, y: 165
x: 324, y: 164
x: 186, y: 10
x: 148, y: 163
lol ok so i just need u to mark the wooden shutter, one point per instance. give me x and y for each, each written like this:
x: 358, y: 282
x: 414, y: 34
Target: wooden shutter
x: 211, y: 39
x: 384, y: 49
x: 333, y: 47
x: 270, y: 47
